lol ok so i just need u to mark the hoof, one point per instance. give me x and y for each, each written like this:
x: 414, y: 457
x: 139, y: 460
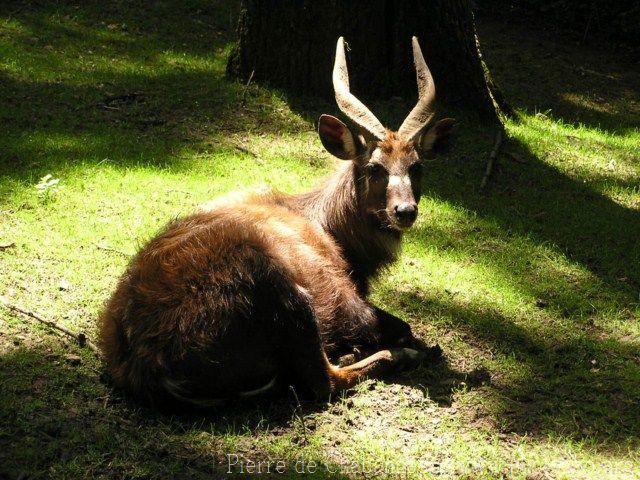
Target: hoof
x: 432, y: 353
x: 407, y: 358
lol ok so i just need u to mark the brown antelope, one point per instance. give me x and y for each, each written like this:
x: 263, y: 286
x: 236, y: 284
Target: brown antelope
x: 271, y: 289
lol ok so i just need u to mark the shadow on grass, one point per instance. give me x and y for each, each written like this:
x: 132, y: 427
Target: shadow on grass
x: 64, y: 124
x: 133, y: 84
x: 537, y: 201
x: 541, y: 71
x: 59, y: 421
x: 576, y: 384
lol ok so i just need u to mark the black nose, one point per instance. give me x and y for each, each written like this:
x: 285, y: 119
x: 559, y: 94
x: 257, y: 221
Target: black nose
x: 406, y: 213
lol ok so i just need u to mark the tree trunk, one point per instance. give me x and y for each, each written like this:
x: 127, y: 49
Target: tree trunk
x: 290, y: 44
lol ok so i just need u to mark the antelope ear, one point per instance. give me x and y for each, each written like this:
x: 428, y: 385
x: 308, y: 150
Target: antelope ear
x: 437, y: 135
x: 337, y: 138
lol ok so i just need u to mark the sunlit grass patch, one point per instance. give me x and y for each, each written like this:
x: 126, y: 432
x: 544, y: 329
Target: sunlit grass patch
x: 610, y: 163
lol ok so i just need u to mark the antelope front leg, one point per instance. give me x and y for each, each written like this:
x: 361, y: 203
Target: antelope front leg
x: 391, y: 332
x: 394, y: 332
x: 378, y: 364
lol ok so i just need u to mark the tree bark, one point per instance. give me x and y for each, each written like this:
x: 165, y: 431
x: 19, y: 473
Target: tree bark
x: 290, y: 44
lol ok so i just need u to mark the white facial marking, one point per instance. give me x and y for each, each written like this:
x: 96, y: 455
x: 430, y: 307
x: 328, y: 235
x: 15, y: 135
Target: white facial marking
x: 396, y: 180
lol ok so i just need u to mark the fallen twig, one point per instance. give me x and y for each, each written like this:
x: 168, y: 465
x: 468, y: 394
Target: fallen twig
x: 109, y: 249
x: 492, y: 158
x: 80, y: 337
x: 586, y: 28
x: 246, y: 87
x: 249, y: 152
x: 245, y: 150
x: 296, y: 413
x: 108, y: 107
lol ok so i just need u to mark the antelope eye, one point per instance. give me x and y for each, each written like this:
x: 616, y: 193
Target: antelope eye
x: 376, y: 170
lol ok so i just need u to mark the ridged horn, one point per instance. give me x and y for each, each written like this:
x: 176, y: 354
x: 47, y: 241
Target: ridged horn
x: 347, y: 102
x: 424, y: 110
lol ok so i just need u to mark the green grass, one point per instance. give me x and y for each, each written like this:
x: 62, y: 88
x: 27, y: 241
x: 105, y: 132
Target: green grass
x: 531, y: 288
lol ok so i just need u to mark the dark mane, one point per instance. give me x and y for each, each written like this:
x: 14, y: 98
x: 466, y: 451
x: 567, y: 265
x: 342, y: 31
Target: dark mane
x: 337, y: 205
